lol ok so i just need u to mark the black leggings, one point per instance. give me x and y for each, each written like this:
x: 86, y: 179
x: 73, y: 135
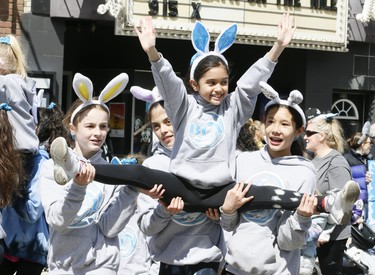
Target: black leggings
x: 195, y: 199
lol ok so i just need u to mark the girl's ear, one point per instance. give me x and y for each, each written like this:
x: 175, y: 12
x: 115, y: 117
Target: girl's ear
x: 194, y: 85
x: 72, y: 128
x: 299, y: 132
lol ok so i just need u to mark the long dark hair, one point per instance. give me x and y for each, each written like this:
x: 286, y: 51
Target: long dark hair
x: 50, y: 125
x: 11, y: 169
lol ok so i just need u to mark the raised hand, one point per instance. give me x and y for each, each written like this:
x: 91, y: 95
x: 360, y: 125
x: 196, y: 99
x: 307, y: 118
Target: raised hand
x: 286, y: 30
x: 147, y: 36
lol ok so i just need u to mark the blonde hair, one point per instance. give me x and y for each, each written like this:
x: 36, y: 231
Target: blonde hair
x: 12, y: 59
x: 334, y: 133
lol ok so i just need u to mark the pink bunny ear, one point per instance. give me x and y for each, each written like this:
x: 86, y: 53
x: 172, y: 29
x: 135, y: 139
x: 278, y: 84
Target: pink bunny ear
x: 145, y: 94
x: 141, y: 93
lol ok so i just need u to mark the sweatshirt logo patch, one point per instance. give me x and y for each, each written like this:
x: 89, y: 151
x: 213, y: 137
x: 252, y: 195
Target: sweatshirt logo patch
x: 189, y: 219
x: 261, y: 216
x: 206, y: 130
x: 90, y: 206
x: 128, y: 242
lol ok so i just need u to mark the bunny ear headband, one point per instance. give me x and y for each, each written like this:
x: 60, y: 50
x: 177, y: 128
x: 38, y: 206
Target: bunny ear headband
x: 150, y: 96
x: 295, y: 98
x: 82, y: 86
x: 365, y: 131
x: 201, y: 40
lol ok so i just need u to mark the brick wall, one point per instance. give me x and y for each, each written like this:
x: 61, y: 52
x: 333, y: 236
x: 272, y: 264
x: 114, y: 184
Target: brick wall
x: 10, y: 16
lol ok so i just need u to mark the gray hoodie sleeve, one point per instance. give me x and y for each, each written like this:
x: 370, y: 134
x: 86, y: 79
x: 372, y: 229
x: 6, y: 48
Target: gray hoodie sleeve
x: 154, y: 220
x: 61, y: 203
x: 229, y: 221
x: 172, y: 89
x: 119, y: 211
x: 247, y: 88
x: 292, y: 232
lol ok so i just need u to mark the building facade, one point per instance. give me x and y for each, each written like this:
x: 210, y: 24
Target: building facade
x: 65, y: 37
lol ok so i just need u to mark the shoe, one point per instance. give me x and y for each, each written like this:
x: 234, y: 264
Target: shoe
x: 340, y: 204
x: 66, y: 166
x: 307, y: 265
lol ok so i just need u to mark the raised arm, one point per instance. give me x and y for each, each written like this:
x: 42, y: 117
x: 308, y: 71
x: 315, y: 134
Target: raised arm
x: 147, y: 37
x: 285, y: 33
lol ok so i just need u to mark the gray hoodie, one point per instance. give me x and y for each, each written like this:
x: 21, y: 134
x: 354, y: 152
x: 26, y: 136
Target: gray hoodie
x: 19, y: 93
x: 182, y: 239
x: 205, y: 134
x: 84, y: 223
x: 135, y: 257
x: 268, y: 241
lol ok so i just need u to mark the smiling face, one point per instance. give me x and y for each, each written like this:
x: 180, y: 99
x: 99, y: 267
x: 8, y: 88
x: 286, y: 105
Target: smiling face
x: 162, y: 126
x: 90, y: 132
x: 213, y: 85
x: 281, y: 131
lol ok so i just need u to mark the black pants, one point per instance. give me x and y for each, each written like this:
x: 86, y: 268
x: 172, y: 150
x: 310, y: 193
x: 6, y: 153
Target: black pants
x: 22, y: 267
x: 195, y: 199
x: 331, y: 255
x: 197, y: 269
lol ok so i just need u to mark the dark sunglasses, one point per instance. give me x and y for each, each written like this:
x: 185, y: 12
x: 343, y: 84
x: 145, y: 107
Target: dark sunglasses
x: 309, y: 133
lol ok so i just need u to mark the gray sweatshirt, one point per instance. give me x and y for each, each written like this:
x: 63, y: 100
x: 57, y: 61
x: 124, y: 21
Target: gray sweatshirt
x: 268, y: 241
x: 205, y: 134
x: 19, y: 93
x: 333, y: 171
x: 135, y: 257
x: 84, y: 222
x: 182, y: 239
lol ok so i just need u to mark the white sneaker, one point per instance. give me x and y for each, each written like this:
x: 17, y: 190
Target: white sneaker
x: 340, y: 204
x: 66, y: 166
x: 307, y: 265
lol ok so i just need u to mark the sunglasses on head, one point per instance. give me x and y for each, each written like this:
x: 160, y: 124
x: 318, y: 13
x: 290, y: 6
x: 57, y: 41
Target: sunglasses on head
x: 309, y: 133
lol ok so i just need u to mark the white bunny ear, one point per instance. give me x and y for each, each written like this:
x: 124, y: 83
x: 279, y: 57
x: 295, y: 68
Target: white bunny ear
x: 366, y: 128
x: 114, y: 87
x: 40, y: 96
x: 82, y: 86
x: 365, y: 131
x: 200, y: 38
x: 295, y: 97
x: 268, y: 91
x: 226, y: 39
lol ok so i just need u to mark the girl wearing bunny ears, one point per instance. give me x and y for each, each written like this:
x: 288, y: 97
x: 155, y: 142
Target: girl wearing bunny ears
x: 85, y: 216
x: 275, y: 236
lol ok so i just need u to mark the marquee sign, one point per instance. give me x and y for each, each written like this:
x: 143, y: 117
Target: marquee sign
x: 321, y: 24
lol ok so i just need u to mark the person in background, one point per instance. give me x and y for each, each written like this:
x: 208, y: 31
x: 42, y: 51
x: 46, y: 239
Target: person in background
x: 19, y: 92
x: 359, y: 146
x: 50, y: 125
x: 251, y: 136
x: 268, y: 241
x: 28, y: 241
x: 324, y: 138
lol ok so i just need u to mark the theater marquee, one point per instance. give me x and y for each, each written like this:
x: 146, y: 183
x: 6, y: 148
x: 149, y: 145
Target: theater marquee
x: 322, y: 24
